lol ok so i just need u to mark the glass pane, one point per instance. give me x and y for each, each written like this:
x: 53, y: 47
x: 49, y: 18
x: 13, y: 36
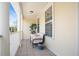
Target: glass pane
x: 13, y: 19
x: 48, y: 29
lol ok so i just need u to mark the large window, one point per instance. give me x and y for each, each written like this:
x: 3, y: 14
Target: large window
x: 48, y: 22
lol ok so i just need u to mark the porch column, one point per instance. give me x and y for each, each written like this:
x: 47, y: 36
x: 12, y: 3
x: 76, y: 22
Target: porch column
x: 4, y: 29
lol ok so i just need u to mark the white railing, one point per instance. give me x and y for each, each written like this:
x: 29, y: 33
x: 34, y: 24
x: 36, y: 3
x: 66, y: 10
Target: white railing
x: 15, y: 39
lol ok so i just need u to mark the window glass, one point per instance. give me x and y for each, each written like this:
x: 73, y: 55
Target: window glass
x: 48, y: 22
x: 12, y: 19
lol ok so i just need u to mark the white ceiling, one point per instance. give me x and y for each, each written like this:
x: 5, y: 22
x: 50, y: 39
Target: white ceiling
x: 32, y: 6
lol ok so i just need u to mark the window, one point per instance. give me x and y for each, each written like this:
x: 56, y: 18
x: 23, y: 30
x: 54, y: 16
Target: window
x: 48, y: 22
x: 13, y: 19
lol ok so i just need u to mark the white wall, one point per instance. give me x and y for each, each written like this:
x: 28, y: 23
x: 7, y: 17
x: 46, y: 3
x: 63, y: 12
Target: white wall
x: 78, y: 28
x: 26, y: 30
x: 4, y: 29
x: 15, y: 38
x: 64, y: 41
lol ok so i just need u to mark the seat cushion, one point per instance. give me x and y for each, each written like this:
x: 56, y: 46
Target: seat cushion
x: 37, y: 41
x: 36, y: 36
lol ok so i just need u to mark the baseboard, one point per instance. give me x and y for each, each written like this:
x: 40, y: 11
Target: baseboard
x: 53, y: 51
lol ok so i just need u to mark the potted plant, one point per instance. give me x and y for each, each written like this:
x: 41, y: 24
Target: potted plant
x: 33, y: 28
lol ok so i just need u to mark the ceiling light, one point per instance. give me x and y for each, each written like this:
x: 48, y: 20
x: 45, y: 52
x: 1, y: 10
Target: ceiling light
x: 31, y: 12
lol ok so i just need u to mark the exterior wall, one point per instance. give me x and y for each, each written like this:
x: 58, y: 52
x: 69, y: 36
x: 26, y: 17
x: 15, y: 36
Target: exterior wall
x: 64, y: 41
x: 26, y: 30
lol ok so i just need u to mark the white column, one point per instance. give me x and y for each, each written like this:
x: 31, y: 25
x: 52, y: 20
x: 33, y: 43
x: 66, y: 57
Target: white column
x: 4, y: 28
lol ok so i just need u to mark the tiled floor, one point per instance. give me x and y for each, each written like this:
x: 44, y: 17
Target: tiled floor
x: 26, y: 49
